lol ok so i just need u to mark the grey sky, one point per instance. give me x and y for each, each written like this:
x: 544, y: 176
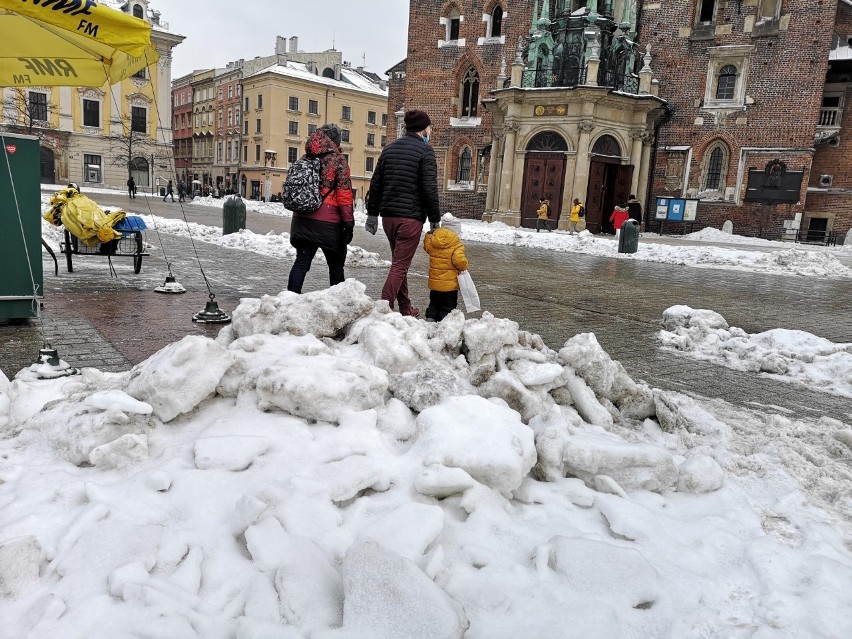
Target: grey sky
x: 220, y: 31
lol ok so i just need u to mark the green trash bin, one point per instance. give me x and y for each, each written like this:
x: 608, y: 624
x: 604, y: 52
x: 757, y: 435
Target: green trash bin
x: 233, y: 215
x: 628, y: 241
x: 22, y: 283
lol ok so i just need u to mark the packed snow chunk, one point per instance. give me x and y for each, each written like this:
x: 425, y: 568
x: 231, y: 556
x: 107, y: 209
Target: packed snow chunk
x: 322, y: 313
x: 844, y: 436
x: 395, y: 418
x: 587, y: 405
x: 700, y: 474
x: 628, y: 519
x: 348, y: 477
x: 117, y: 400
x: 439, y: 481
x: 387, y: 597
x: 159, y: 481
x: 387, y: 347
x: 536, y: 373
x: 5, y: 404
x: 229, y: 452
x: 180, y: 376
x: 702, y: 320
x: 597, y: 570
x: 125, y: 581
x: 408, y: 530
x: 19, y: 563
x: 607, y: 377
x: 427, y: 386
x: 506, y: 385
x: 323, y: 387
x: 678, y: 412
x: 122, y: 452
x: 484, y: 438
x: 487, y: 335
x: 632, y: 466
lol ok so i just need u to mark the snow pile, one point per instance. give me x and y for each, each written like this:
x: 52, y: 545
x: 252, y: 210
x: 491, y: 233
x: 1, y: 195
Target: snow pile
x: 709, y: 234
x: 327, y: 468
x: 787, y: 355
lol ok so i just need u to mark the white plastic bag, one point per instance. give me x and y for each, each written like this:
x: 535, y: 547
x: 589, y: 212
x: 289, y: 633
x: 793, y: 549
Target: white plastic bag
x: 468, y: 291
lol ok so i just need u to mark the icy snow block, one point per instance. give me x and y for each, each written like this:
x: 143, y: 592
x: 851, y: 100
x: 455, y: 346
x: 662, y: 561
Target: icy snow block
x: 700, y: 474
x: 125, y: 451
x: 621, y: 576
x: 322, y: 387
x: 439, y: 481
x: 487, y: 440
x: 681, y: 316
x: 408, y: 531
x: 19, y: 563
x: 179, y: 377
x: 322, y: 313
x: 5, y: 404
x: 427, y: 386
x: 632, y: 466
x: 387, y: 347
x: 115, y: 399
x: 586, y: 403
x: 506, y: 385
x: 124, y: 581
x: 387, y: 597
x: 487, y: 335
x: 346, y: 478
x: 229, y: 452
x: 607, y: 377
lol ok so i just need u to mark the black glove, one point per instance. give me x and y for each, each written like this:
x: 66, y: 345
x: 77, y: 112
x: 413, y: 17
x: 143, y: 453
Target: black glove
x: 372, y: 224
x: 346, y: 234
x: 434, y: 225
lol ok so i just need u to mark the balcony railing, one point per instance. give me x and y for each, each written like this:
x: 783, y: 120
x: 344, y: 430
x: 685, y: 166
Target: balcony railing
x: 830, y: 117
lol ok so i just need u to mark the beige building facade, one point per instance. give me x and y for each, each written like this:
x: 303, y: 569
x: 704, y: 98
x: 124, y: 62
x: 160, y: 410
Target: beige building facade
x: 98, y: 136
x: 284, y: 104
x: 203, y: 129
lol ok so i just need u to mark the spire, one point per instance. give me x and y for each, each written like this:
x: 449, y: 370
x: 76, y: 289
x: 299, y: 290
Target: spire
x: 534, y: 18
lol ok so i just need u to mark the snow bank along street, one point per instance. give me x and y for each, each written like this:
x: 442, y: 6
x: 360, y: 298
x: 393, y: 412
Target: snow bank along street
x: 327, y: 469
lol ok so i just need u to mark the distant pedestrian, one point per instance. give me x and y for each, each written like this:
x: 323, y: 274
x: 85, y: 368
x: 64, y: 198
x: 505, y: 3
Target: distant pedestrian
x: 634, y: 209
x: 543, y: 214
x: 170, y: 190
x: 619, y: 216
x: 404, y: 191
x: 446, y: 261
x: 181, y: 191
x: 331, y: 226
x: 131, y: 187
x: 577, y: 211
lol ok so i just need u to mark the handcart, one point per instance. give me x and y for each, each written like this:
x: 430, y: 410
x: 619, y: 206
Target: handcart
x: 131, y: 244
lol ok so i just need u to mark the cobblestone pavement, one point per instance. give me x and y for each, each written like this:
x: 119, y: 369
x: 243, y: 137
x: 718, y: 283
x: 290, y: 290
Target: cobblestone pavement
x: 113, y: 323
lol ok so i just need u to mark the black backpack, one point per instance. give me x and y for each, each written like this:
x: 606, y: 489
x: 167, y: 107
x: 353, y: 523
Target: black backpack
x: 301, y: 192
x: 582, y: 211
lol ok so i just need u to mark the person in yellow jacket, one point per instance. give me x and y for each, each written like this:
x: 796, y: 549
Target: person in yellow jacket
x: 446, y: 261
x: 574, y: 220
x: 543, y: 213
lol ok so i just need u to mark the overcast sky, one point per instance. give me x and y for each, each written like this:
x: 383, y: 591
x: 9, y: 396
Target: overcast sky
x: 220, y: 31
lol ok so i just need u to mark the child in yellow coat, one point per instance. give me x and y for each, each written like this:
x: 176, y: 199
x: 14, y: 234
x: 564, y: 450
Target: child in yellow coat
x: 446, y: 261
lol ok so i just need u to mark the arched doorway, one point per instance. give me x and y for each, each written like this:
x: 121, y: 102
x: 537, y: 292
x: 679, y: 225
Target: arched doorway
x: 141, y: 172
x: 609, y: 183
x: 544, y: 176
x: 48, y: 165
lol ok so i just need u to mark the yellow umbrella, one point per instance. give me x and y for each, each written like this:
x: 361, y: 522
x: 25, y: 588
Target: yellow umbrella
x: 70, y: 43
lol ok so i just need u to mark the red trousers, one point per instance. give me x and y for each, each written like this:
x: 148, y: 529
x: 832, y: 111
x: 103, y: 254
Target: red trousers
x: 404, y: 238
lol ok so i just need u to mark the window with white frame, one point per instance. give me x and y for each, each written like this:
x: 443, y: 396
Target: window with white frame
x: 453, y: 25
x: 218, y: 151
x: 469, y: 94
x: 494, y: 22
x: 371, y: 117
x: 92, y: 113
x: 92, y: 168
x: 371, y: 139
x: 370, y: 164
x: 293, y: 127
x: 293, y: 103
x: 726, y: 77
x: 292, y: 154
x: 344, y: 135
x: 346, y: 113
x: 313, y: 107
x: 230, y: 90
x: 230, y: 117
x: 714, y: 170
x: 706, y: 11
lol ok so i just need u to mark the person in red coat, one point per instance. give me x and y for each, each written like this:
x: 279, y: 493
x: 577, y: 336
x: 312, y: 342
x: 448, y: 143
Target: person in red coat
x: 330, y: 227
x: 619, y: 215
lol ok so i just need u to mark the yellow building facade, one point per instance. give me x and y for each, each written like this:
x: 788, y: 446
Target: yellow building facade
x: 284, y: 104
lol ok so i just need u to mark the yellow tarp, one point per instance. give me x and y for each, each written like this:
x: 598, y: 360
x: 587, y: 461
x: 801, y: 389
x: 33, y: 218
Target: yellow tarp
x: 70, y: 43
x: 83, y: 217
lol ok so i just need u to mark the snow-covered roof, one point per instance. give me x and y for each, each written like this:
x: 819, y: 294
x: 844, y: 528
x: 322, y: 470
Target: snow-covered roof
x: 350, y: 79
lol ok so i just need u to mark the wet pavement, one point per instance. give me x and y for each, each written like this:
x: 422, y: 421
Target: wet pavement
x: 111, y: 324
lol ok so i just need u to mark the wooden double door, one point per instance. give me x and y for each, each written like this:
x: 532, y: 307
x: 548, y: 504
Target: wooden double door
x: 609, y: 184
x: 544, y: 176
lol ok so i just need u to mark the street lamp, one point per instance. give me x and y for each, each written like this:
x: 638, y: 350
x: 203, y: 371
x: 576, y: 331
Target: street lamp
x: 268, y: 158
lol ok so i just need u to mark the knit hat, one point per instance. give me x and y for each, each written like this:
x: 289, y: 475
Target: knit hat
x: 416, y: 121
x: 332, y: 132
x: 451, y: 223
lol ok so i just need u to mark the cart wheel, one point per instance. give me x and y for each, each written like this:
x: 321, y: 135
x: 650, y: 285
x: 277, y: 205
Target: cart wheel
x: 137, y: 259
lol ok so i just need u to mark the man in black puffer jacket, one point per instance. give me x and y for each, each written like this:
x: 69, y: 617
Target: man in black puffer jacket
x: 404, y: 191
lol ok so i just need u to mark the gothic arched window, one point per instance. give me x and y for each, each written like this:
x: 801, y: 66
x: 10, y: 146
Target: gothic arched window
x: 469, y: 93
x: 726, y: 83
x: 463, y: 173
x: 715, y: 168
x: 497, y: 22
x: 138, y: 11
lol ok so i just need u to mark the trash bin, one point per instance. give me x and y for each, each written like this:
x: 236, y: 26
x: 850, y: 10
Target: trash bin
x: 233, y: 214
x: 628, y: 241
x: 20, y: 237
x: 162, y: 191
